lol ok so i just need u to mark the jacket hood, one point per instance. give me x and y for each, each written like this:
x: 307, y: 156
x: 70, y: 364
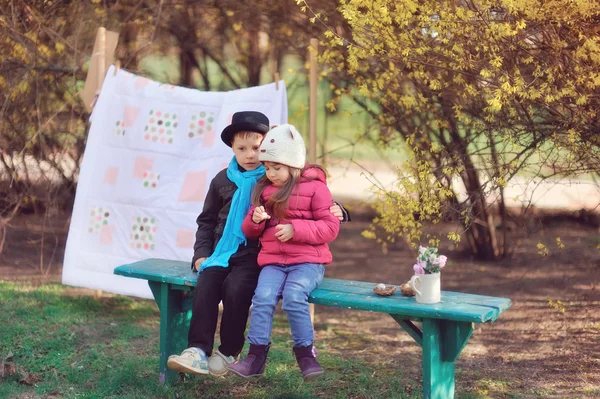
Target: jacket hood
x: 312, y: 173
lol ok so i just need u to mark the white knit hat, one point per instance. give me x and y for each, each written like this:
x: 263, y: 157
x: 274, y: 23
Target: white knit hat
x: 283, y: 144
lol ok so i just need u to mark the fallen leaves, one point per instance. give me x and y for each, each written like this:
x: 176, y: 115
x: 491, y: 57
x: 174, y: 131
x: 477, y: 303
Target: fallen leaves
x: 8, y: 369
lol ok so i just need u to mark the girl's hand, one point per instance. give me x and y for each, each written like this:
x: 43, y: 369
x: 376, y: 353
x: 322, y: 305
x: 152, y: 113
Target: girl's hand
x: 260, y: 214
x: 198, y: 262
x: 337, y: 212
x: 285, y: 232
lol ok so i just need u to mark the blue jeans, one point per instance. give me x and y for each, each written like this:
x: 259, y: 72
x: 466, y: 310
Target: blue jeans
x: 293, y: 283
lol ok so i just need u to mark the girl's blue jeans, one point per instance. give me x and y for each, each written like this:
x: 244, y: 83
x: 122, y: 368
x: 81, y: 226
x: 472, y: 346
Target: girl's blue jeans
x: 293, y: 284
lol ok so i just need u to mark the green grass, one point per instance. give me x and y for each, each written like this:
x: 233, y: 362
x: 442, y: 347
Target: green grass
x: 81, y: 347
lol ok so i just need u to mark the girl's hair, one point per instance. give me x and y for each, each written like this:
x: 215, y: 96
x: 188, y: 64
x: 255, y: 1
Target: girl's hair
x: 278, y: 203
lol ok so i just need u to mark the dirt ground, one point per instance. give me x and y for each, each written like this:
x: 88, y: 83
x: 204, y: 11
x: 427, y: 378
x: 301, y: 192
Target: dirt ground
x: 546, y: 345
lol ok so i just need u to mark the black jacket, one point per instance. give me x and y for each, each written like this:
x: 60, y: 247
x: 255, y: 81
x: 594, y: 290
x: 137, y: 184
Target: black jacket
x: 211, y: 222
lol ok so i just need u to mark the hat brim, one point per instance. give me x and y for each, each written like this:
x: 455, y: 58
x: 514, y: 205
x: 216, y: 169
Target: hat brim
x: 231, y: 130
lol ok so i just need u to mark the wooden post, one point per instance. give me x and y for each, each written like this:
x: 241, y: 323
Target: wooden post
x: 101, y: 60
x: 274, y: 71
x: 314, y: 82
x: 102, y: 56
x: 100, y: 63
x: 312, y: 138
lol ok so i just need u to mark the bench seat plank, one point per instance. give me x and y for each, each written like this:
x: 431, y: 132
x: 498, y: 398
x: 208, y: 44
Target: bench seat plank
x: 160, y: 270
x: 357, y: 295
x: 453, y: 306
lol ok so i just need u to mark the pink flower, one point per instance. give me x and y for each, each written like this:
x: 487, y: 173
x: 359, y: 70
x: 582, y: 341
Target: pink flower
x: 418, y: 268
x: 442, y: 261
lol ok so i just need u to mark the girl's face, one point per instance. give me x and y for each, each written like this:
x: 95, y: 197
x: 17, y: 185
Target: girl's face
x: 277, y: 173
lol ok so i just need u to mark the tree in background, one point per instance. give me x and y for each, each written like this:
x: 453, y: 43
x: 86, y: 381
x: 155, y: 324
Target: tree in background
x: 222, y: 45
x: 41, y: 118
x: 480, y: 91
x: 46, y: 47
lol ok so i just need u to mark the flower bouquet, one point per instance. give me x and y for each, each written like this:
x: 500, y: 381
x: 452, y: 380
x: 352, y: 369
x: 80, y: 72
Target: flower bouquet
x: 428, y: 261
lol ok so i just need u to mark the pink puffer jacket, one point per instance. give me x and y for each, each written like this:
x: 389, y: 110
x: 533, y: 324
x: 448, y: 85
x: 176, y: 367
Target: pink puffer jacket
x: 314, y: 225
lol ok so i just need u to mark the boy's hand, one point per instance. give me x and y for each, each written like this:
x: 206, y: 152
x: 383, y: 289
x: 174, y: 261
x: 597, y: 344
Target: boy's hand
x: 260, y: 214
x: 337, y: 212
x: 198, y: 263
x: 285, y: 232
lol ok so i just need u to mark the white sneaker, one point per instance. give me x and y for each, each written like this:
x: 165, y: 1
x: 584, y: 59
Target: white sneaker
x: 218, y: 362
x: 191, y: 361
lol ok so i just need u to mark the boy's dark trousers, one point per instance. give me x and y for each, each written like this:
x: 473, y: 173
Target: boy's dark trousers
x: 234, y: 285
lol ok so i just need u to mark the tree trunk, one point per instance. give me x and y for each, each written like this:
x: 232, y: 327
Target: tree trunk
x: 501, y: 204
x: 129, y: 53
x: 254, y: 59
x: 186, y: 67
x: 480, y: 227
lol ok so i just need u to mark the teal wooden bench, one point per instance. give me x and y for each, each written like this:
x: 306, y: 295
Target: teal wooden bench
x: 445, y: 327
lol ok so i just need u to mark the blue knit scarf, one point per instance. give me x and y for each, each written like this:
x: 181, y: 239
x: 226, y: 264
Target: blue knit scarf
x: 240, y: 204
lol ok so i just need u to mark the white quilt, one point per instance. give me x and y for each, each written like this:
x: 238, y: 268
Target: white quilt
x: 151, y: 153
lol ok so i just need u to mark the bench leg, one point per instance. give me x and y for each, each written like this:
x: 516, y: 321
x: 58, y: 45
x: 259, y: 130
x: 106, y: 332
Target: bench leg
x: 443, y: 341
x: 174, y: 325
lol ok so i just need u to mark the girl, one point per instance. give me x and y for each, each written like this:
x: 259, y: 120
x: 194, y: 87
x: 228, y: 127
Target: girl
x: 290, y: 214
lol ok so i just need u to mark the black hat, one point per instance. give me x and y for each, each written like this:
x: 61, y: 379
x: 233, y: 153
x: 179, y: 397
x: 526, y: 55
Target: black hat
x: 250, y: 121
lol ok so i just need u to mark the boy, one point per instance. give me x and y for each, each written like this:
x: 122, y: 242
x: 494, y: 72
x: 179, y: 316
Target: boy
x: 227, y: 262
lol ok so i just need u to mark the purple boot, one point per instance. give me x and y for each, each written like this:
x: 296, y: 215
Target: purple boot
x: 306, y: 356
x: 253, y: 365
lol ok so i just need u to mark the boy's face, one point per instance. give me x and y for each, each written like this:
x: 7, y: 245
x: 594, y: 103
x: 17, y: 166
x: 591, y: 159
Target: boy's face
x: 277, y: 173
x: 245, y: 148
